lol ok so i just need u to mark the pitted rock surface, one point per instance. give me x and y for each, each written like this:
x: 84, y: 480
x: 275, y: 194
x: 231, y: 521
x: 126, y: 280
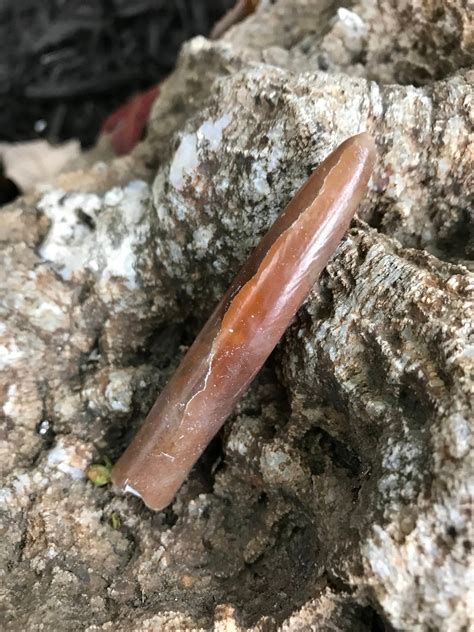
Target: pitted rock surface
x: 338, y: 494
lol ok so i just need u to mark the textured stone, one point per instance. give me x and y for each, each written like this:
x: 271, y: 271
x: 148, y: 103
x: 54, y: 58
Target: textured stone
x: 338, y: 494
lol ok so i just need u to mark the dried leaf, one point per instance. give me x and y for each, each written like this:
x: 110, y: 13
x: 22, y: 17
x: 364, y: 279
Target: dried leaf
x: 126, y: 124
x: 34, y: 162
x: 241, y: 10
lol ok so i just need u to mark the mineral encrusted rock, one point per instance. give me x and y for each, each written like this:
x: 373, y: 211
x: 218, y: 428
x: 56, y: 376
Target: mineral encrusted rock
x: 338, y: 495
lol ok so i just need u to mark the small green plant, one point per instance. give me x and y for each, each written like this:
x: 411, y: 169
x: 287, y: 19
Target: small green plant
x: 115, y: 521
x: 99, y: 473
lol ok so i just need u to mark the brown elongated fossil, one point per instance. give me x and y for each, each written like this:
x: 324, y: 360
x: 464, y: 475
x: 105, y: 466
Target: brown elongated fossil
x: 245, y: 326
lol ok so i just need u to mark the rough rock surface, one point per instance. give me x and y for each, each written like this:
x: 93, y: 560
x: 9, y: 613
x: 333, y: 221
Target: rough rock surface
x: 338, y: 495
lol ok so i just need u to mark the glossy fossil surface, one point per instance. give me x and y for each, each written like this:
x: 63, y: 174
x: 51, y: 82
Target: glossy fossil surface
x: 245, y: 326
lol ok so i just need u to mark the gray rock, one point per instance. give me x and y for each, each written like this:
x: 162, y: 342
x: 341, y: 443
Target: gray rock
x: 338, y: 495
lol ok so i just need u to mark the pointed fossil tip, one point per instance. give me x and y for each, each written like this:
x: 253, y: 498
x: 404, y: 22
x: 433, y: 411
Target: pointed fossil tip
x: 364, y: 146
x: 366, y: 140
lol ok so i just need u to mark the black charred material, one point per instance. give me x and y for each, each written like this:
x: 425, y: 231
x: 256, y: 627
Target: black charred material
x: 65, y: 65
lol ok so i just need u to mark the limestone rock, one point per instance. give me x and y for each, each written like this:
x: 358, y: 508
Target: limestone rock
x: 337, y: 496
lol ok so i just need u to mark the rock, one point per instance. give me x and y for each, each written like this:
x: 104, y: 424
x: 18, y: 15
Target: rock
x: 337, y: 496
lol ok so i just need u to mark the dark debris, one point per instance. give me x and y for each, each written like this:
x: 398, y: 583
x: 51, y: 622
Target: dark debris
x: 65, y: 65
